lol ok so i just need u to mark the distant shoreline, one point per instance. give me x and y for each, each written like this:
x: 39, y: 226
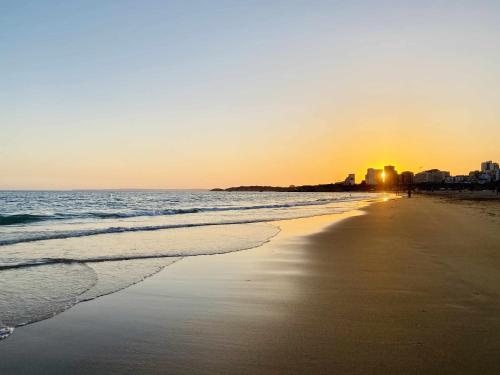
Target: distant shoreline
x: 302, y: 188
x: 339, y: 187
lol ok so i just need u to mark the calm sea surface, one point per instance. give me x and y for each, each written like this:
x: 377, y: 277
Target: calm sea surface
x: 61, y: 248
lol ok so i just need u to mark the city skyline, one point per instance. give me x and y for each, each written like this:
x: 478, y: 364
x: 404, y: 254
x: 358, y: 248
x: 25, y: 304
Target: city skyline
x: 489, y: 171
x: 387, y: 175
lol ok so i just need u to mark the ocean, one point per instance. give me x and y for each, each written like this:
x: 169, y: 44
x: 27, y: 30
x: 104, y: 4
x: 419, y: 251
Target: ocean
x: 59, y: 248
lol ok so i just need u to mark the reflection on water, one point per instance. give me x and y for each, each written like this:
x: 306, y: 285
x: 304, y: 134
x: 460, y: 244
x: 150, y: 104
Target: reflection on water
x: 61, y: 248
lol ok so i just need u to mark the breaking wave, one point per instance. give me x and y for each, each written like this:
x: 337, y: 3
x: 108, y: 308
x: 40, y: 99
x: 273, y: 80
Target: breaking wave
x: 22, y: 219
x: 48, y: 284
x: 27, y: 218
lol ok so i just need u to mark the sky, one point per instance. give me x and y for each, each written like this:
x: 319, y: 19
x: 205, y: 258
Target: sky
x: 202, y: 94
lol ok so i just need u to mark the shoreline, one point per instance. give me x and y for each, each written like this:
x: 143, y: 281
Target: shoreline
x: 410, y: 295
x: 8, y: 330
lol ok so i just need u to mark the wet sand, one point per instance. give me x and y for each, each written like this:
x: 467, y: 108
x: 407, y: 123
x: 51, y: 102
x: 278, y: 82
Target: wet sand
x: 410, y: 287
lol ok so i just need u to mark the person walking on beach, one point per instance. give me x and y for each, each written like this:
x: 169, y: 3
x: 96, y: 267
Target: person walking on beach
x: 409, y: 191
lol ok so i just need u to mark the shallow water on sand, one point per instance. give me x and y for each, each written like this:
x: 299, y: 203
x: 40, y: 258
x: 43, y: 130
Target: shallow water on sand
x: 61, y: 248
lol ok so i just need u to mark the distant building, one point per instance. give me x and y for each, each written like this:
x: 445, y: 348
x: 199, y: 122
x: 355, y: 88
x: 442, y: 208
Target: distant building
x: 350, y: 180
x: 374, y: 177
x: 474, y: 176
x: 390, y: 176
x: 491, y: 169
x: 406, y: 178
x: 460, y: 179
x: 483, y: 177
x: 431, y: 176
x: 490, y: 172
x: 488, y: 166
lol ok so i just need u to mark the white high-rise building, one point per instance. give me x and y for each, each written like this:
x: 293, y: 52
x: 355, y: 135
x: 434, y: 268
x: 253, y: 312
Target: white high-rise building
x: 486, y: 166
x: 489, y: 166
x: 492, y: 169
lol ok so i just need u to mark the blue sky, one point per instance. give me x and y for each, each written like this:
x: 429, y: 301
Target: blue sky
x: 202, y: 94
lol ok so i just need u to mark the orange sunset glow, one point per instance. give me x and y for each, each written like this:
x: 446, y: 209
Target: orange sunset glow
x: 308, y: 103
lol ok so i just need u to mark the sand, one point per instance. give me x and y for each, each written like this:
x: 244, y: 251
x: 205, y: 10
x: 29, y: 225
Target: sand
x: 412, y: 286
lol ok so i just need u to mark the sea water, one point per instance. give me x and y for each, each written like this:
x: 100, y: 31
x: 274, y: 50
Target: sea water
x: 59, y: 248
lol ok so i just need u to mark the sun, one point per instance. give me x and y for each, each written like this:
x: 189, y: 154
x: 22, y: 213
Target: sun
x: 383, y: 176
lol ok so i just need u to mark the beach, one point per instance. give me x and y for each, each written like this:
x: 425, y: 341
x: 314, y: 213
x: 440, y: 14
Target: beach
x: 403, y: 286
